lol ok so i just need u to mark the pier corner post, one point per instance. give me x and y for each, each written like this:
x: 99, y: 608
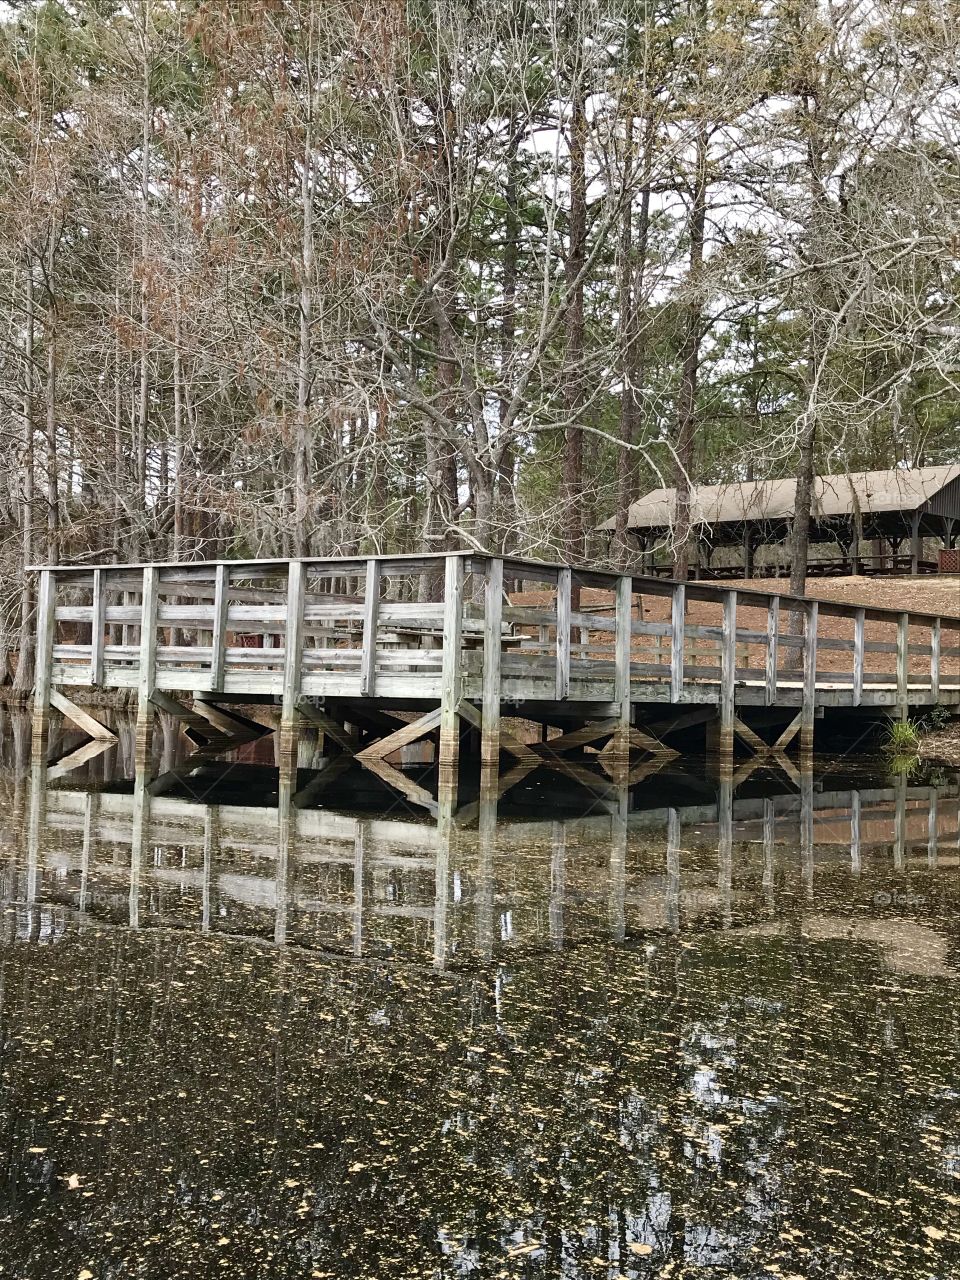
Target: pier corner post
x: 292, y: 646
x: 623, y: 636
x: 451, y: 669
x: 492, y: 642
x: 808, y: 706
x: 728, y: 672
x: 43, y: 668
x: 146, y: 671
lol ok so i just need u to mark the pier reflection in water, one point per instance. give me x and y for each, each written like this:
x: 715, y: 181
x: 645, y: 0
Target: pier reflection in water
x: 687, y: 1029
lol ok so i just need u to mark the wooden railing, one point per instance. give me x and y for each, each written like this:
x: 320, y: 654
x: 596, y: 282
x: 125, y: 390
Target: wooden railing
x: 359, y: 628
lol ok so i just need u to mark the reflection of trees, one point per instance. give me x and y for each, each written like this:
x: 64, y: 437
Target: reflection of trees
x: 388, y: 1121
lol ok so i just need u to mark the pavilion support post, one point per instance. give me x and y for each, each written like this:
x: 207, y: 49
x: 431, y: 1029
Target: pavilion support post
x: 371, y: 608
x: 492, y: 643
x: 147, y: 668
x: 808, y: 709
x: 451, y: 672
x: 747, y: 552
x: 916, y: 543
x: 43, y: 669
x: 292, y: 654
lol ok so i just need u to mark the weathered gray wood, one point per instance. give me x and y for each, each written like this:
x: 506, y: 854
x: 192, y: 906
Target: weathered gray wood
x: 858, y: 652
x: 564, y: 584
x: 97, y: 624
x: 855, y: 832
x: 809, y: 700
x: 935, y: 659
x: 451, y: 673
x: 773, y: 651
x: 43, y: 656
x: 218, y: 641
x: 146, y: 672
x: 492, y: 650
x: 371, y: 612
x: 903, y: 666
x: 728, y: 669
x: 293, y: 643
x: 82, y: 719
x: 678, y: 608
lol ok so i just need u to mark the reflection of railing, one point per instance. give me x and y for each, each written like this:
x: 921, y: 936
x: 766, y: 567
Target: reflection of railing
x: 358, y: 628
x: 372, y: 885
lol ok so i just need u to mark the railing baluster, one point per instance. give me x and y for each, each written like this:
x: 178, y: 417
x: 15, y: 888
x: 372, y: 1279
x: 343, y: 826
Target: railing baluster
x: 935, y: 660
x: 858, y: 642
x: 564, y: 581
x: 371, y: 609
x: 97, y: 610
x: 678, y: 608
x: 218, y: 638
x: 773, y: 651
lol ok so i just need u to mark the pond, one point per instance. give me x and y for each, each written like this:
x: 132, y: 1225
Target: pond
x: 695, y: 1029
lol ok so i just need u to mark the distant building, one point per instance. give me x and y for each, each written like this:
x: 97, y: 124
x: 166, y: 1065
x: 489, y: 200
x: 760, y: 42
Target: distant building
x: 863, y: 522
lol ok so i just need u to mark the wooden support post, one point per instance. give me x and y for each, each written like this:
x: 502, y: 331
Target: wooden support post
x: 678, y: 606
x: 218, y: 638
x: 808, y: 711
x: 564, y: 583
x: 46, y: 622
x: 492, y: 644
x: 773, y: 651
x: 916, y: 542
x: 97, y: 622
x: 903, y: 664
x: 728, y: 671
x: 858, y: 651
x: 146, y: 672
x: 292, y: 646
x: 620, y: 746
x: 371, y: 610
x: 935, y: 660
x: 451, y: 678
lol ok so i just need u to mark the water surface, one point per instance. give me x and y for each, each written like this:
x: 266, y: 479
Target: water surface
x: 674, y: 1034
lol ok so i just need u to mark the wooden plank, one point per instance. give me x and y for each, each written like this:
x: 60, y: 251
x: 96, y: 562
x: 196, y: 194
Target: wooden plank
x: 97, y: 624
x: 564, y: 584
x: 492, y: 650
x: 903, y: 669
x: 218, y: 642
x: 809, y: 697
x: 43, y: 656
x: 858, y: 652
x: 82, y: 719
x: 371, y: 609
x: 451, y: 674
x: 293, y: 642
x: 678, y: 606
x: 935, y: 659
x: 773, y: 651
x: 728, y: 668
x: 146, y: 672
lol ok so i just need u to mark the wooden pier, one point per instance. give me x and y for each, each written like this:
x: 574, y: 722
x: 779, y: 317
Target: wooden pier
x: 453, y: 650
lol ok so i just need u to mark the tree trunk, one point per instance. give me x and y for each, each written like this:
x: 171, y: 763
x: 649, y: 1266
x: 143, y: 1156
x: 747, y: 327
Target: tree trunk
x: 23, y: 680
x: 572, y: 475
x: 690, y: 367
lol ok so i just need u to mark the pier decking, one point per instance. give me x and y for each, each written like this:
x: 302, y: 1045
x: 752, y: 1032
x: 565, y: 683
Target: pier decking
x: 384, y: 651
